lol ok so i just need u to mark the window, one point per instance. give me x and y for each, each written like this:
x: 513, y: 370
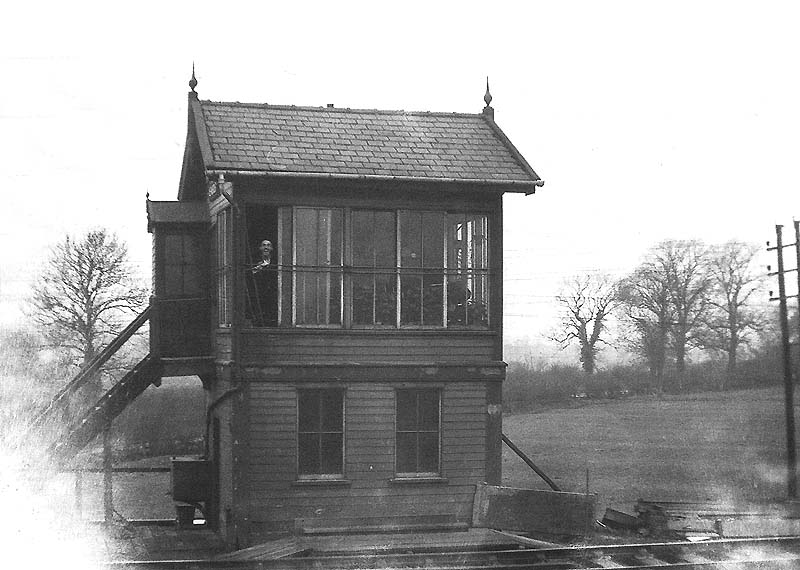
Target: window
x: 467, y: 270
x: 422, y: 268
x: 222, y: 255
x: 374, y: 280
x: 378, y: 268
x: 182, y: 265
x: 320, y: 433
x: 261, y: 274
x: 417, y: 432
x: 318, y: 266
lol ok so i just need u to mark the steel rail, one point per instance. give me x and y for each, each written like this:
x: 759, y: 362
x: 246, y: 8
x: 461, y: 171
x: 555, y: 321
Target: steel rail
x: 772, y: 552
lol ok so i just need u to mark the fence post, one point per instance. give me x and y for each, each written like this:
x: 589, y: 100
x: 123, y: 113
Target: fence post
x: 108, y: 490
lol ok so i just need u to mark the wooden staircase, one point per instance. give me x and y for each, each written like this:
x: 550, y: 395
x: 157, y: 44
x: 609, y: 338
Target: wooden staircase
x: 108, y: 407
x: 173, y: 352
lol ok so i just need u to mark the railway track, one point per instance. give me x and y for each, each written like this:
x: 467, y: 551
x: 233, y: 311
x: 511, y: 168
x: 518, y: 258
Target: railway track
x: 728, y: 554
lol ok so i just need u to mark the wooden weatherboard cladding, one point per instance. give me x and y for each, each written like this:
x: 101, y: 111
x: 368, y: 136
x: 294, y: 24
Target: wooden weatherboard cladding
x: 369, y: 486
x: 263, y: 346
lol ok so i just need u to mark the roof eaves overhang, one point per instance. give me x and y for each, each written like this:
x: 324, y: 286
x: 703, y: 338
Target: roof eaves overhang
x: 521, y: 186
x: 498, y: 132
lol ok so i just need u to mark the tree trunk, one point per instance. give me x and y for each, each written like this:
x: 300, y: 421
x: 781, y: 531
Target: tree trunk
x: 587, y: 358
x: 680, y: 359
x: 730, y: 369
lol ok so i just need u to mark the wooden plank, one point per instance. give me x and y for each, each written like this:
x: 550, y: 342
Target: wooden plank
x: 527, y: 510
x: 271, y: 550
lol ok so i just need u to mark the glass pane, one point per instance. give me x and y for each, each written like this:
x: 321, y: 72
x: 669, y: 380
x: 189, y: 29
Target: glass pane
x: 411, y: 302
x: 457, y: 297
x: 428, y: 452
x: 433, y: 239
x: 456, y: 242
x: 285, y: 238
x: 406, y: 410
x: 331, y: 410
x: 428, y: 417
x: 308, y: 405
x: 385, y: 240
x: 308, y: 231
x: 385, y: 300
x: 331, y: 453
x: 468, y: 241
x: 286, y: 297
x: 406, y: 453
x: 334, y: 296
x: 336, y: 235
x: 308, y: 453
x: 285, y: 259
x: 362, y: 232
x: 478, y: 304
x: 479, y: 241
x: 432, y: 299
x: 363, y: 299
x: 411, y: 239
x: 306, y: 297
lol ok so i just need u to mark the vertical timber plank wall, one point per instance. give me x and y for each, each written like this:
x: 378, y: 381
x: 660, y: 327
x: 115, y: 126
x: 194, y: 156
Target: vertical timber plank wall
x: 224, y: 413
x: 241, y: 402
x: 278, y: 499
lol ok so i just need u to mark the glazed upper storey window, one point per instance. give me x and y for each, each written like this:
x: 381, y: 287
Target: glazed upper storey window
x: 360, y: 268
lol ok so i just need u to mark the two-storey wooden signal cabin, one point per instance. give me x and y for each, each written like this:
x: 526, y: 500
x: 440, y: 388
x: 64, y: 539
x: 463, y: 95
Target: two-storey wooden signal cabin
x: 354, y: 363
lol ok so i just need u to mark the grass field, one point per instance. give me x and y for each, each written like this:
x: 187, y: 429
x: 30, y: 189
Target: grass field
x: 727, y: 447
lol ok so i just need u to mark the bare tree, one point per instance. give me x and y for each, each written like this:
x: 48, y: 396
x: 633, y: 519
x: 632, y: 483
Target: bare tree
x: 85, y: 294
x: 687, y: 270
x: 646, y: 297
x: 669, y: 302
x: 734, y: 281
x: 586, y: 304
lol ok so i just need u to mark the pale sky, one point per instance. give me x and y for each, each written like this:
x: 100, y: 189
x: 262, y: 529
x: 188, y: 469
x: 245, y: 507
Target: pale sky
x: 647, y: 120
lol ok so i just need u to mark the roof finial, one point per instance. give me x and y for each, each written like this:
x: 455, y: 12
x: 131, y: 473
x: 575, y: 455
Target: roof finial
x: 488, y: 111
x: 193, y: 80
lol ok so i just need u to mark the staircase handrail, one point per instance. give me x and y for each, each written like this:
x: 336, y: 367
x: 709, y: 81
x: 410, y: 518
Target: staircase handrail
x: 108, y: 406
x: 94, y: 364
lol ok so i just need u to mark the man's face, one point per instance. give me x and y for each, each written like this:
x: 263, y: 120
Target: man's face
x: 266, y: 248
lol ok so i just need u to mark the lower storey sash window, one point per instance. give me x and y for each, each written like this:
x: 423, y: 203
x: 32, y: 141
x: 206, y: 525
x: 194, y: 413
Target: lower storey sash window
x: 320, y: 433
x: 417, y: 443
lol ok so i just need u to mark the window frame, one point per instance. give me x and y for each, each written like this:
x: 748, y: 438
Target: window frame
x: 412, y: 475
x: 330, y: 269
x: 223, y: 264
x: 304, y: 477
x: 344, y: 271
x: 352, y: 271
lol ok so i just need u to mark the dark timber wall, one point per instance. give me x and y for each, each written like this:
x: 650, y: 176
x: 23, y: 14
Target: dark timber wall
x: 369, y: 492
x: 259, y: 345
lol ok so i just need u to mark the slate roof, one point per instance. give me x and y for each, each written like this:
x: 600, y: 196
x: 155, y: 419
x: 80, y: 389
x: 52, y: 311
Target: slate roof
x: 334, y: 142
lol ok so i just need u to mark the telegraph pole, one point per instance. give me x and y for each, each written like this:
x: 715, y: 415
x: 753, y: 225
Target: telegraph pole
x: 788, y: 384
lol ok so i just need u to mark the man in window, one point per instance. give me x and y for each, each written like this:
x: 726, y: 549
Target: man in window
x: 262, y: 288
